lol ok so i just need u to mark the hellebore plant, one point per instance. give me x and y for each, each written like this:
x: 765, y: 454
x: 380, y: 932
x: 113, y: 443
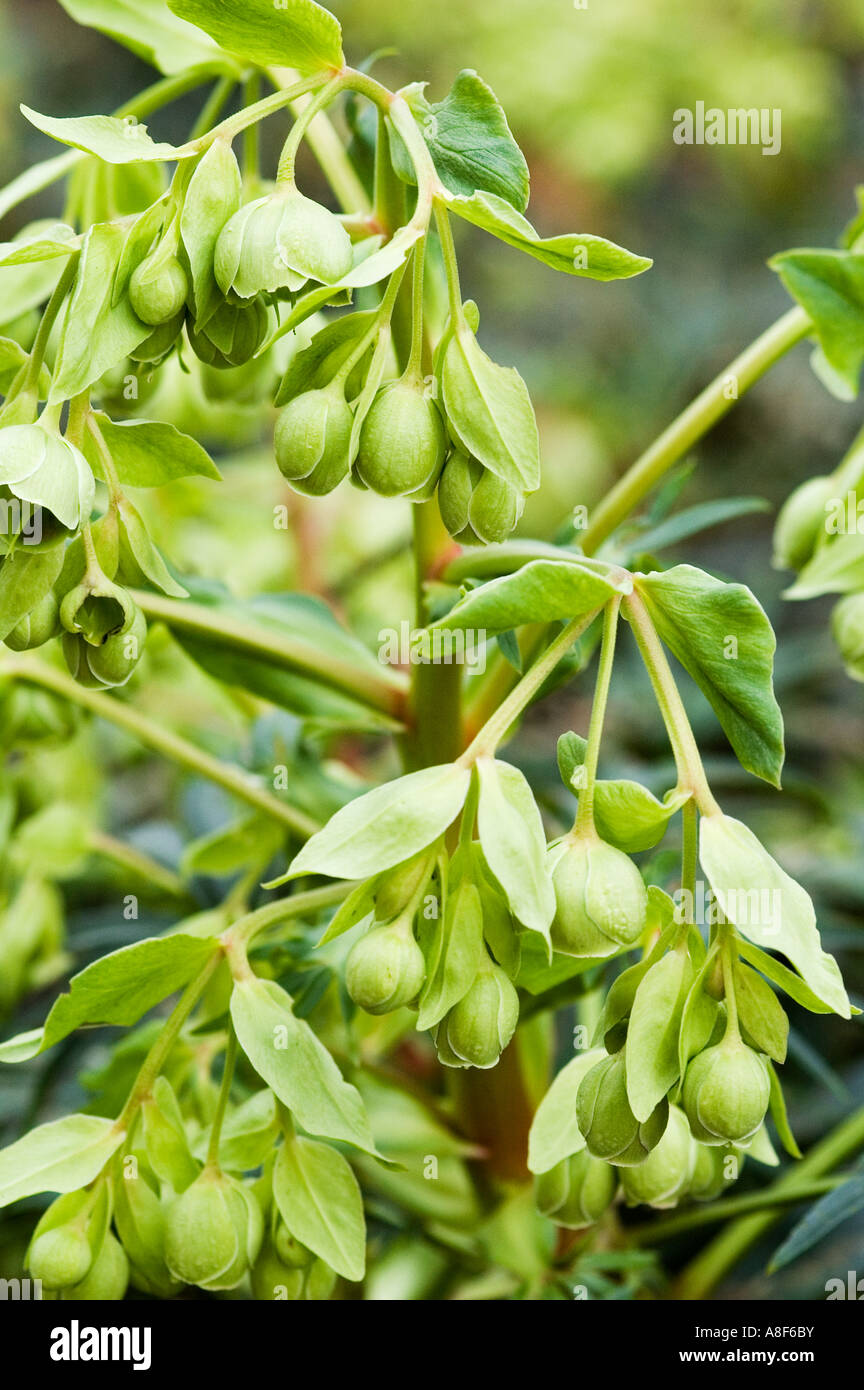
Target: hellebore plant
x: 256, y: 1118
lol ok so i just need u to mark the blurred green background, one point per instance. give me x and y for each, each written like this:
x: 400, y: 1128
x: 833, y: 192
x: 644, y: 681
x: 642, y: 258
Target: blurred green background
x: 590, y: 94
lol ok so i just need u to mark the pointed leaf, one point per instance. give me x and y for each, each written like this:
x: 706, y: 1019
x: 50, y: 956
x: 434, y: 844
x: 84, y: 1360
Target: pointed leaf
x: 319, y: 1200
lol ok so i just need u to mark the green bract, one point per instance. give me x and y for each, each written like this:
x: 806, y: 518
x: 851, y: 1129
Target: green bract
x: 278, y: 243
x: 726, y: 1092
x: 601, y: 901
x: 402, y: 441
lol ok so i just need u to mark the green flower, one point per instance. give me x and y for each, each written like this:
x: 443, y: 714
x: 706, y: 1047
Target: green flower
x: 726, y: 1093
x: 606, y: 1121
x: 39, y: 467
x: 312, y: 440
x: 402, y: 441
x: 577, y: 1191
x: 601, y: 900
x: 667, y: 1171
x: 213, y: 1232
x: 385, y: 969
x: 279, y: 242
x: 478, y: 1028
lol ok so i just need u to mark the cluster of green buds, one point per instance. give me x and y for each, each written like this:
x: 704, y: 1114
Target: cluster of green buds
x: 818, y: 534
x: 347, y: 412
x: 580, y: 1189
x: 160, y: 1216
x: 439, y: 938
x: 74, y: 1253
x: 103, y: 630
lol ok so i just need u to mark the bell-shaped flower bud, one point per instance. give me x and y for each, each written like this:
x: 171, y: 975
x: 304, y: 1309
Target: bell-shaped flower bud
x: 37, y: 628
x: 459, y: 477
x: 113, y: 662
x: 107, y: 1279
x: 609, y: 1126
x: 601, y: 900
x: 385, y: 969
x: 40, y: 467
x: 494, y: 509
x: 213, y: 1232
x: 278, y: 242
x: 61, y: 1256
x: 801, y: 521
x: 666, y: 1173
x: 480, y: 1026
x: 402, y: 441
x: 232, y: 335
x: 272, y: 1280
x: 726, y: 1092
x: 577, y: 1191
x: 312, y: 440
x: 159, y: 286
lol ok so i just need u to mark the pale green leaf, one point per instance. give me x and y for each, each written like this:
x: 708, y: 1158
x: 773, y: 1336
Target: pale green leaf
x: 57, y: 1157
x: 116, y: 139
x: 296, y: 1065
x: 554, y: 1132
x: 514, y: 844
x: 319, y: 1200
x: 766, y: 905
x: 541, y: 591
x: 386, y: 826
x: 576, y: 253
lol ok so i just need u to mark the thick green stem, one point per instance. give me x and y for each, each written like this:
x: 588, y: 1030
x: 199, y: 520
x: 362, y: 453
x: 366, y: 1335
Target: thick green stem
x: 234, y: 779
x: 384, y: 692
x: 436, y: 687
x: 691, y: 774
x: 699, y: 417
x: 709, y: 1267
